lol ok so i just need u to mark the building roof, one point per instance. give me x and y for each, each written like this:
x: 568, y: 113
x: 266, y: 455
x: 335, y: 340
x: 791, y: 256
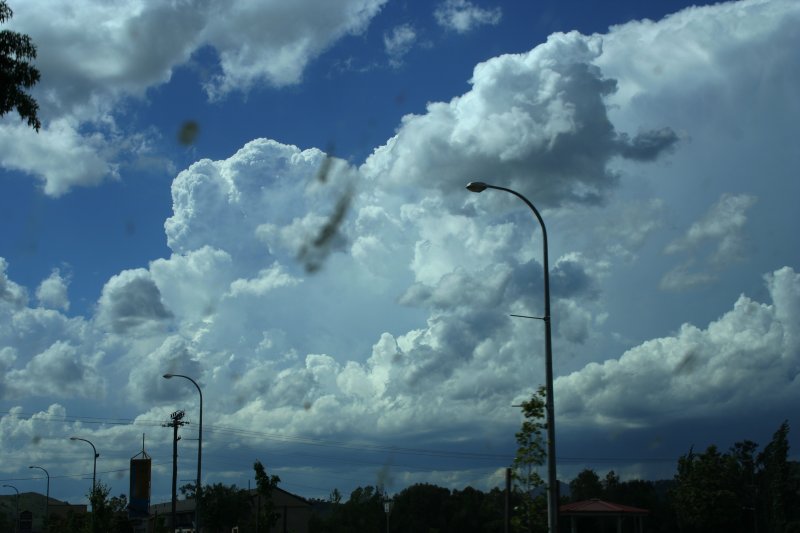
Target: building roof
x: 599, y: 507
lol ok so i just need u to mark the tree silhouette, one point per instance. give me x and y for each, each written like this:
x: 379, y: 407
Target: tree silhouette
x: 16, y: 72
x: 267, y: 516
x: 530, y: 454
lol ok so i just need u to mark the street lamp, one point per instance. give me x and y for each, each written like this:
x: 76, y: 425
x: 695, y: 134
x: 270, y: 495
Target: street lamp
x: 199, y: 487
x: 16, y: 519
x: 96, y: 455
x: 552, y: 494
x: 47, y: 498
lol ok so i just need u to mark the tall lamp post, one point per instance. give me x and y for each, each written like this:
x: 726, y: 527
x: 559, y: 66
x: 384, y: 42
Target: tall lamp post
x: 552, y: 494
x: 47, y: 498
x: 199, y: 487
x: 16, y: 517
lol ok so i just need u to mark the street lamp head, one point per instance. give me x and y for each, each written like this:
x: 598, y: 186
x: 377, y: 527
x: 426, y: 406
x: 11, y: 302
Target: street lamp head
x: 476, y: 186
x: 73, y: 438
x: 168, y: 376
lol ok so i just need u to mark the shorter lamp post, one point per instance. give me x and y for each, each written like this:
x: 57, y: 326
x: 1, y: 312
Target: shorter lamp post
x: 47, y: 498
x: 16, y: 516
x: 198, y: 491
x: 96, y: 455
x: 94, y: 478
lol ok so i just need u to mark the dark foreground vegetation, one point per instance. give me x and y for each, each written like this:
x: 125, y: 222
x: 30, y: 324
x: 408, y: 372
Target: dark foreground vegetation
x: 742, y: 490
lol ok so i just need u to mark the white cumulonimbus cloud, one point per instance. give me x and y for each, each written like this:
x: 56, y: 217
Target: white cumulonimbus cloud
x: 749, y: 356
x: 331, y: 353
x: 521, y: 124
x: 94, y: 55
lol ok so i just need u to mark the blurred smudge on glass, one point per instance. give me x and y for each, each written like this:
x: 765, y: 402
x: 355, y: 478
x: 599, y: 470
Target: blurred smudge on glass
x: 188, y: 132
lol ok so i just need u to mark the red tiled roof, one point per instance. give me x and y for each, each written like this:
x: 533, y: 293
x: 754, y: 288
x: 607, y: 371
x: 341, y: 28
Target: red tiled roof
x: 595, y: 506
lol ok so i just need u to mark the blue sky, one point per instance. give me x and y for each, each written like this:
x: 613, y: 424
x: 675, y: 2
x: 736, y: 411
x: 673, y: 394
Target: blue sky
x: 654, y: 137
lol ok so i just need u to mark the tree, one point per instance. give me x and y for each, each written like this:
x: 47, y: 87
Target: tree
x: 775, y: 480
x: 421, y: 507
x: 530, y: 454
x: 611, y: 486
x: 16, y: 72
x: 223, y: 507
x: 362, y: 512
x: 266, y: 516
x: 586, y: 486
x: 704, y: 496
x: 109, y: 514
x: 739, y: 491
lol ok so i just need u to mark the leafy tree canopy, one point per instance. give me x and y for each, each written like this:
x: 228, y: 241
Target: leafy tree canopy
x: 586, y: 485
x: 16, y: 72
x: 265, y: 483
x: 737, y: 490
x: 530, y: 454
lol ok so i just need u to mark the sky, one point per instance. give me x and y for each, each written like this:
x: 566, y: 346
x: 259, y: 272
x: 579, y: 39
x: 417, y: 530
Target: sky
x: 269, y: 197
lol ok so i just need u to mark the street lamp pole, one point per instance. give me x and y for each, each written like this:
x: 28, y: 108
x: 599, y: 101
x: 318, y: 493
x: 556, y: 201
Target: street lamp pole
x: 94, y: 477
x: 16, y: 518
x: 47, y: 498
x: 96, y: 455
x: 552, y: 482
x: 199, y: 487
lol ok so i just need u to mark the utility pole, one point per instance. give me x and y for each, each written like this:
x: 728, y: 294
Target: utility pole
x: 176, y: 421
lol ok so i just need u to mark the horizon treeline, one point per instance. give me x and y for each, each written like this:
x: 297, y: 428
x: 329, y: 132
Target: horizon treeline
x: 742, y: 490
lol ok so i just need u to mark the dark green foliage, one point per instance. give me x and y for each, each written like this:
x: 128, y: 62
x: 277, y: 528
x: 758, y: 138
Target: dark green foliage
x: 362, y: 512
x: 586, y: 486
x: 737, y: 491
x: 222, y: 507
x: 16, y: 72
x: 110, y: 514
x: 776, y: 486
x: 266, y: 516
x: 705, y: 495
x: 423, y: 508
x: 530, y: 514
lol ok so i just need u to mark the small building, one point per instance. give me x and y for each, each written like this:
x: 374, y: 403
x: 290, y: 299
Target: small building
x: 32, y: 509
x: 591, y: 515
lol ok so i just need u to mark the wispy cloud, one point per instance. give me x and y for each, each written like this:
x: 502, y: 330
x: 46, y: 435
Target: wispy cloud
x: 721, y: 228
x: 463, y: 16
x: 399, y: 42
